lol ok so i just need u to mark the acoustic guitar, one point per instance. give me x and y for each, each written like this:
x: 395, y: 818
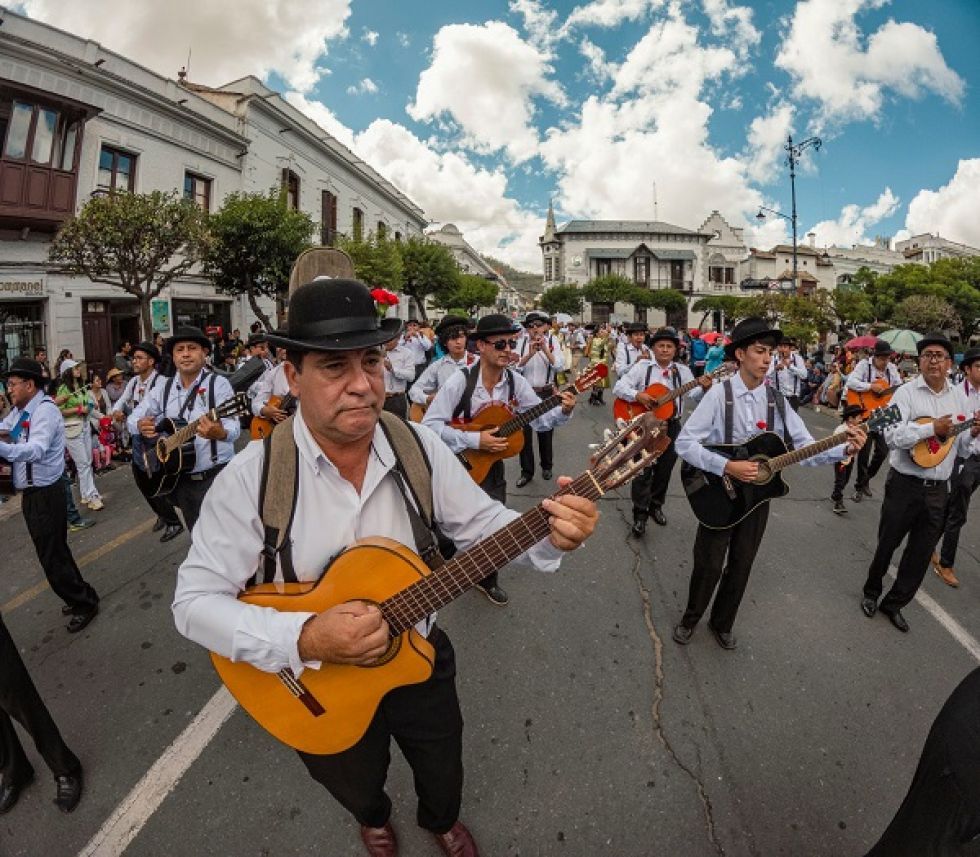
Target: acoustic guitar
x: 511, y: 426
x: 933, y: 450
x: 664, y: 397
x: 720, y: 502
x: 261, y: 427
x: 327, y: 710
x: 877, y: 397
x: 416, y: 411
x: 172, y: 453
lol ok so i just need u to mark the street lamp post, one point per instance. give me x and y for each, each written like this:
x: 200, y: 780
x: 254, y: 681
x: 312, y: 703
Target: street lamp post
x: 794, y: 153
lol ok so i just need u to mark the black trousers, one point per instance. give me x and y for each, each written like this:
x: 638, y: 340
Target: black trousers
x: 908, y: 509
x: 20, y: 700
x: 870, y: 458
x: 941, y: 811
x: 397, y: 404
x: 842, y: 472
x: 649, y: 489
x: 740, y: 544
x: 495, y: 485
x: 46, y: 515
x: 966, y: 478
x: 189, y: 494
x: 163, y: 508
x: 546, y: 442
x: 426, y: 723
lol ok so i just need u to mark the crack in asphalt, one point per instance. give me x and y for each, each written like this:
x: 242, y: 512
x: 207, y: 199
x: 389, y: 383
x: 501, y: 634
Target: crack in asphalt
x: 658, y: 698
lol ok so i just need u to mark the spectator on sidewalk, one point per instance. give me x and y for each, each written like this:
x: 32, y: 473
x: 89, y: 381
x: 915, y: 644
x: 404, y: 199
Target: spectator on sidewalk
x: 74, y: 404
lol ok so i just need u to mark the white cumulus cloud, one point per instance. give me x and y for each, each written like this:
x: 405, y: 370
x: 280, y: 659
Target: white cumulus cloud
x: 609, y: 13
x: 367, y: 86
x: 767, y: 135
x: 854, y: 221
x: 848, y: 75
x: 323, y: 116
x: 503, y: 75
x: 953, y: 210
x: 370, y: 36
x: 227, y: 39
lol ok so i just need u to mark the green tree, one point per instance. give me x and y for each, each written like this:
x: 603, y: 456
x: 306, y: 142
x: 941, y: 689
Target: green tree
x: 733, y: 307
x: 562, y: 299
x: 607, y: 289
x: 255, y: 238
x: 377, y: 261
x: 427, y: 268
x: 851, y: 307
x: 139, y: 243
x: 926, y: 312
x: 472, y: 292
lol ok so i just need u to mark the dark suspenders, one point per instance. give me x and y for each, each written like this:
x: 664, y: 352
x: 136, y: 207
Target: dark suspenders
x: 774, y: 402
x: 464, y: 405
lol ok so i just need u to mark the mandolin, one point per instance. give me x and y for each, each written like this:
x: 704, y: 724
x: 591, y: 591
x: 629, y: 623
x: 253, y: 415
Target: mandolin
x: 878, y: 396
x: 261, y: 427
x: 664, y: 397
x: 511, y: 426
x: 327, y: 710
x: 933, y: 450
x: 720, y: 502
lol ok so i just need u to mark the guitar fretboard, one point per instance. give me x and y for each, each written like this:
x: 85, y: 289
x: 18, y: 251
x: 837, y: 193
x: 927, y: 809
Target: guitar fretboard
x: 181, y: 436
x: 797, y: 455
x: 465, y: 570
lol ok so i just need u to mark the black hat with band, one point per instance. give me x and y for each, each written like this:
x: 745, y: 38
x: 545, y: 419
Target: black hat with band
x: 667, y: 333
x: 149, y: 349
x: 187, y: 334
x: 334, y: 315
x: 495, y: 324
x: 970, y: 356
x: 29, y: 370
x: 935, y: 338
x: 750, y: 330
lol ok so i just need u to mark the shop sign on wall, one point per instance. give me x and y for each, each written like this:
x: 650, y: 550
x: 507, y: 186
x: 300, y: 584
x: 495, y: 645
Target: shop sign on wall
x: 22, y: 287
x: 160, y: 315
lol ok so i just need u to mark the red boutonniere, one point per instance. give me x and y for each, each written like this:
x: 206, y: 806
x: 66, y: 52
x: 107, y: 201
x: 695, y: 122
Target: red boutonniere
x: 201, y: 391
x: 666, y: 373
x: 25, y: 424
x: 961, y: 418
x: 761, y: 424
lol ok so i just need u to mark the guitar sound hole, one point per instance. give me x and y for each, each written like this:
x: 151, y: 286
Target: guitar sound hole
x: 765, y: 473
x: 394, y: 647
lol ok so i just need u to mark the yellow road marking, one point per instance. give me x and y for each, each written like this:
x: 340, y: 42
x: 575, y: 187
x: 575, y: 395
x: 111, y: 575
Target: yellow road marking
x: 87, y: 559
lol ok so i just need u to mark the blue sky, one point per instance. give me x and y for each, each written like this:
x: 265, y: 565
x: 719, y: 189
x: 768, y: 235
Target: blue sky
x: 483, y: 111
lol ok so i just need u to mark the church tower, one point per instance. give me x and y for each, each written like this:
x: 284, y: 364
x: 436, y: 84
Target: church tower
x: 551, y: 250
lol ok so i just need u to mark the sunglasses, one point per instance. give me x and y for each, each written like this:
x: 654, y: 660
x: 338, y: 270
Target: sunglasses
x: 504, y: 344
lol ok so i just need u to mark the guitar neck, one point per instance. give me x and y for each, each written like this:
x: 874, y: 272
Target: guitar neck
x: 797, y: 455
x: 517, y: 422
x: 959, y: 428
x: 677, y: 393
x: 182, y: 436
x: 465, y: 570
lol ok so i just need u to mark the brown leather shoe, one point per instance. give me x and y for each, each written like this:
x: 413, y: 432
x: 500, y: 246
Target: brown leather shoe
x: 947, y: 575
x: 380, y: 841
x: 458, y: 842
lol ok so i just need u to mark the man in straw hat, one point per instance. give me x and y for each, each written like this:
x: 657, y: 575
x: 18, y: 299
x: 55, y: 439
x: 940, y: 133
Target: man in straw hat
x: 346, y: 489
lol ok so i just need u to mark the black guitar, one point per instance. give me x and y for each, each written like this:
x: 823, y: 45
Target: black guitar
x: 720, y: 502
x: 172, y: 452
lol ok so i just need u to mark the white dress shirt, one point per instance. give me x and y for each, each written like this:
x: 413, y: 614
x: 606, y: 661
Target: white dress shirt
x: 916, y: 399
x: 402, y: 371
x: 330, y: 516
x: 271, y: 383
x: 136, y: 389
x: 441, y: 408
x: 788, y: 381
x: 635, y: 381
x: 970, y: 396
x: 539, y: 370
x: 866, y: 372
x: 418, y: 346
x: 153, y: 406
x: 750, y: 410
x: 627, y: 355
x: 41, y: 442
x: 436, y: 374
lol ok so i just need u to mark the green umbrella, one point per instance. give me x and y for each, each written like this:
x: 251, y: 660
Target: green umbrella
x: 902, y: 341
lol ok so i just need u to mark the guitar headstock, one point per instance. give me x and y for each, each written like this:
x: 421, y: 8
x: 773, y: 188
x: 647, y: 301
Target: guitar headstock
x: 883, y: 417
x: 237, y: 406
x: 591, y: 376
x: 636, y: 447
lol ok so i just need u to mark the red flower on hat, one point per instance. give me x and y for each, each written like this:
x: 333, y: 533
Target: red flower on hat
x: 761, y: 424
x: 961, y: 418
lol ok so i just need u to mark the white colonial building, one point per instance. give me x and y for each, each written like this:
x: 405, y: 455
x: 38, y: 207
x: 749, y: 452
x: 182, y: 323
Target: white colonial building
x: 77, y: 119
x: 928, y: 248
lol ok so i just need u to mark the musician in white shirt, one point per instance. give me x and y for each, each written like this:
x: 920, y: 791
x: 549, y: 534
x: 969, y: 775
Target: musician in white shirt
x: 877, y: 368
x: 399, y: 372
x: 451, y: 332
x: 539, y: 361
x: 787, y: 372
x: 632, y: 349
x: 418, y: 344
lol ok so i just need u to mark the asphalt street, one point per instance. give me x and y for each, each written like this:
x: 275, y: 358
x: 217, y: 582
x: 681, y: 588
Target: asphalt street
x: 588, y: 730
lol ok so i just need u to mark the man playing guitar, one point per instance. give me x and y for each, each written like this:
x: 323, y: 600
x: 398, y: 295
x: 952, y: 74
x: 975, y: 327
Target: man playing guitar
x: 869, y: 372
x: 189, y: 395
x: 492, y: 380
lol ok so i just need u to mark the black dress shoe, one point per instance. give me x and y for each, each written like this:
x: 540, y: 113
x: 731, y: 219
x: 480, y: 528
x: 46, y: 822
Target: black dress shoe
x: 897, y: 619
x: 494, y: 594
x: 658, y: 516
x: 726, y: 639
x: 525, y: 478
x: 68, y: 791
x: 546, y: 475
x: 869, y: 606
x: 81, y: 620
x: 159, y: 525
x: 10, y: 791
x: 639, y: 525
x: 172, y: 531
x: 682, y: 634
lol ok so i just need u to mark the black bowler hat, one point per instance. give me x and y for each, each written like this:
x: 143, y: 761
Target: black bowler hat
x: 536, y: 317
x: 750, y: 330
x: 935, y: 337
x: 635, y: 327
x: 334, y: 315
x: 29, y: 370
x: 665, y: 333
x: 187, y: 334
x: 491, y: 325
x: 882, y: 348
x: 256, y: 339
x: 149, y: 349
x: 449, y: 322
x: 970, y: 356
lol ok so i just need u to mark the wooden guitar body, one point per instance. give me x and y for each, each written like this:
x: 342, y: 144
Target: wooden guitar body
x: 720, y: 502
x: 370, y: 570
x: 878, y: 396
x: 260, y: 427
x: 933, y: 450
x: 479, y: 461
x: 417, y: 411
x: 629, y: 410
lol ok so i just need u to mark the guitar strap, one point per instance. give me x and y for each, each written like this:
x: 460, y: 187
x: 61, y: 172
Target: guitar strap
x: 464, y: 405
x: 774, y: 402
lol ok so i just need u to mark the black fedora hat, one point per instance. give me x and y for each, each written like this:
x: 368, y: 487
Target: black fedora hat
x: 635, y: 327
x: 149, y: 349
x: 665, y: 333
x: 256, y: 339
x: 493, y: 324
x: 24, y: 367
x: 882, y: 348
x: 188, y: 333
x: 334, y: 315
x: 935, y: 337
x: 970, y: 356
x: 536, y: 317
x: 750, y: 330
x: 448, y: 322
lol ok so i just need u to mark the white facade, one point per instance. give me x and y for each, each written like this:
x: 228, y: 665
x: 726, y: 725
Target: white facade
x: 928, y: 248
